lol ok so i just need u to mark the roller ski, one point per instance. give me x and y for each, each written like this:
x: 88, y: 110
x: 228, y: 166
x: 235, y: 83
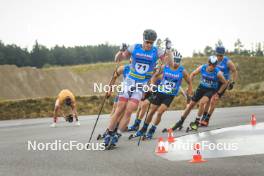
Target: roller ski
x: 102, y: 136
x: 137, y: 134
x: 150, y: 134
x: 133, y: 128
x: 110, y: 141
x: 193, y: 126
x: 177, y: 126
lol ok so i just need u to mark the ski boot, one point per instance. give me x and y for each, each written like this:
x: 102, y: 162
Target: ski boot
x: 178, y: 126
x: 205, y: 121
x: 113, y: 141
x: 133, y: 128
x: 107, y: 139
x: 102, y: 136
x: 193, y: 125
x: 150, y: 133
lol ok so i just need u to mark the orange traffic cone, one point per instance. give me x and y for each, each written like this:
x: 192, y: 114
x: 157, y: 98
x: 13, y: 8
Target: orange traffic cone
x: 170, y: 136
x: 197, y: 157
x: 253, y: 120
x: 161, y: 146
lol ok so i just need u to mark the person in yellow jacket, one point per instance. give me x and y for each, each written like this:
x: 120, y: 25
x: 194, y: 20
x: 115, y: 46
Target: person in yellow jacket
x: 67, y: 98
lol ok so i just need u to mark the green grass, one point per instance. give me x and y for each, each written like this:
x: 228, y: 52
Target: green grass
x: 43, y: 107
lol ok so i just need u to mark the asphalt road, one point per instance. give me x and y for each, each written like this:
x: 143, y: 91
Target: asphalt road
x: 126, y: 159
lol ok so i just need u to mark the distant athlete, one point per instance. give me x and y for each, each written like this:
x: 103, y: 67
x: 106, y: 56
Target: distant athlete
x: 226, y: 66
x: 66, y: 98
x: 171, y: 76
x: 211, y: 76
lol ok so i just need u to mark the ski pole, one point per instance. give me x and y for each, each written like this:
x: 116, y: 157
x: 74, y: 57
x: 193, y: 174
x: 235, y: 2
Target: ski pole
x: 101, y: 108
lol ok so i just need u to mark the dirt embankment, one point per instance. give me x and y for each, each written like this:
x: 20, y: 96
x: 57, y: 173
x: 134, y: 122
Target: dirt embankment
x: 28, y: 82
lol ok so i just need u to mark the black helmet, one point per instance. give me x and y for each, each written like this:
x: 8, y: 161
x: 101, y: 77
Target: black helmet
x: 149, y: 34
x: 68, y: 101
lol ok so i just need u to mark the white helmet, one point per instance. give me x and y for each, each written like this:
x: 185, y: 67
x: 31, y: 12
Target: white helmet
x: 212, y: 60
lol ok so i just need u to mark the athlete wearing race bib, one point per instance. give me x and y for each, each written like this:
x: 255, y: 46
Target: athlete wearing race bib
x: 144, y: 103
x: 141, y: 70
x: 143, y: 60
x: 210, y: 76
x: 171, y: 79
x: 208, y: 84
x: 226, y: 66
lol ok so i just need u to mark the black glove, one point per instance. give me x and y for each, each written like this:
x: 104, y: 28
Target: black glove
x: 168, y: 44
x: 231, y: 85
x: 123, y: 47
x: 69, y: 118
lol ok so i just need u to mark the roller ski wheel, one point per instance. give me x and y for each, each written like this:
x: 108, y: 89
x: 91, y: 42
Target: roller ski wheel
x: 132, y: 128
x: 137, y: 134
x: 99, y: 137
x: 132, y: 136
x: 165, y: 130
x: 110, y: 146
x: 193, y: 127
x: 144, y: 137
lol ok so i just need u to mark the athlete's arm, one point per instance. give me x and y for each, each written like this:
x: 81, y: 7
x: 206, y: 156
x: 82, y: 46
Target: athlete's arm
x: 188, y: 81
x: 57, y: 110
x: 157, y: 75
x: 195, y: 72
x: 223, y: 81
x: 74, y: 111
x: 165, y: 56
x: 233, y: 69
x: 119, y: 71
x: 121, y: 55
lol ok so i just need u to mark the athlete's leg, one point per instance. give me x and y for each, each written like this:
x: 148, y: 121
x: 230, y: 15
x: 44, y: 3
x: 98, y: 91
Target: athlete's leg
x: 113, y: 109
x: 121, y: 106
x: 139, y: 109
x: 203, y: 102
x: 132, y: 105
x: 188, y: 109
x: 140, y: 115
x: 213, y: 103
x: 206, y: 108
x: 153, y: 108
x: 162, y: 108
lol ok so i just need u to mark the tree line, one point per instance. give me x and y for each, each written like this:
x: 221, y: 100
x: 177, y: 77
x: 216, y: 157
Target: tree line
x: 41, y: 56
x: 257, y: 49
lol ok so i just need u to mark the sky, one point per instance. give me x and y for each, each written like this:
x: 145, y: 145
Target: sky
x: 190, y: 24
